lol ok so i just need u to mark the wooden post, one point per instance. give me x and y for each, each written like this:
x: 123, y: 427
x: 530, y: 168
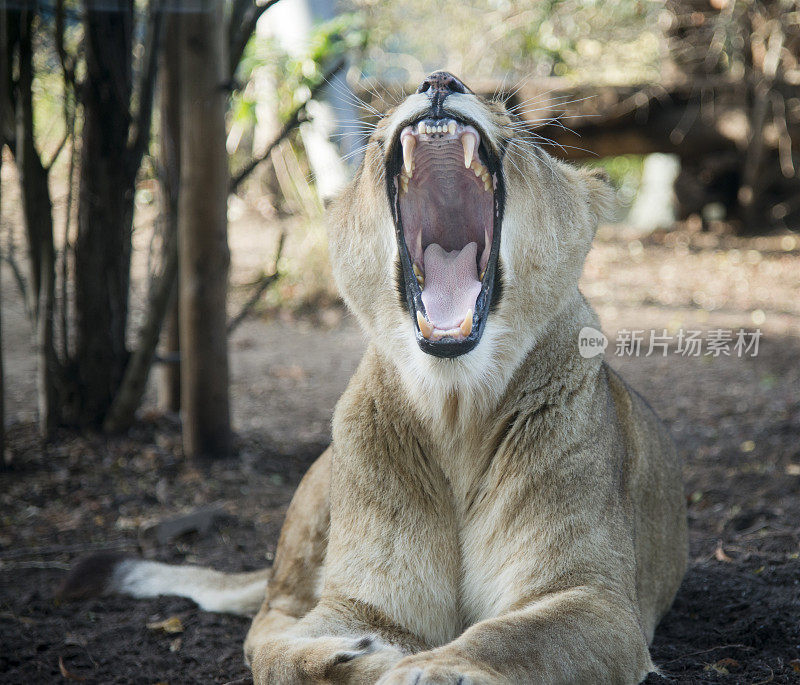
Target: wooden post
x: 202, y: 231
x: 3, y: 105
x: 169, y: 385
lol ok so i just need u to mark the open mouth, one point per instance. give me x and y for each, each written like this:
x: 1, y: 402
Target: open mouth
x: 446, y: 193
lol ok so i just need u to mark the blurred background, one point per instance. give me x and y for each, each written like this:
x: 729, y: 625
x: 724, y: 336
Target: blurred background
x: 173, y: 345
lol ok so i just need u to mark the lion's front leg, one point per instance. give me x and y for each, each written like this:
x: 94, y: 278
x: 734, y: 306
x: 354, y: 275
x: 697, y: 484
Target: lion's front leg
x: 580, y: 635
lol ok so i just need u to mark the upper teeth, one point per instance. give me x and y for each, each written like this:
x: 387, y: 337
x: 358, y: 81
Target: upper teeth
x: 469, y: 142
x: 449, y: 126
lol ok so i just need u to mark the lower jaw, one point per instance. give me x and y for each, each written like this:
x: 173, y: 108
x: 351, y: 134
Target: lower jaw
x: 453, y: 342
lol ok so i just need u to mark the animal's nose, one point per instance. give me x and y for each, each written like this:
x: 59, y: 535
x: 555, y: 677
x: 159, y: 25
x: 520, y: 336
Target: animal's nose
x: 442, y: 84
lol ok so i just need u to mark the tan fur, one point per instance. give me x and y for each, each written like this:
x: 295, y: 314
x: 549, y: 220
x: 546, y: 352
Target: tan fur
x: 513, y: 515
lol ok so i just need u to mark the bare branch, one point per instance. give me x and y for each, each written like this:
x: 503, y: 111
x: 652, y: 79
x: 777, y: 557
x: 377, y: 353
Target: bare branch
x: 65, y: 250
x: 129, y: 396
x: 784, y: 136
x: 58, y: 150
x: 67, y: 61
x: 262, y: 284
x: 295, y: 118
x: 244, y: 18
x: 147, y: 81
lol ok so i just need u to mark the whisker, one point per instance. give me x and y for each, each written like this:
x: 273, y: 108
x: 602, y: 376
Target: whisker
x: 551, y: 105
x: 351, y: 96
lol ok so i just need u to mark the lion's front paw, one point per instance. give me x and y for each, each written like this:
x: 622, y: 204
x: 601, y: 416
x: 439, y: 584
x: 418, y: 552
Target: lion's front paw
x: 430, y: 668
x: 353, y: 660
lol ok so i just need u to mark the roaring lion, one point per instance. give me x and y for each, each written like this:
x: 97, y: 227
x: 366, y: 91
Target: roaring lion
x: 494, y: 506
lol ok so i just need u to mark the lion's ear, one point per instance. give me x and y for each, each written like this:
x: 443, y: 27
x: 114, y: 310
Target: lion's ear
x: 602, y: 195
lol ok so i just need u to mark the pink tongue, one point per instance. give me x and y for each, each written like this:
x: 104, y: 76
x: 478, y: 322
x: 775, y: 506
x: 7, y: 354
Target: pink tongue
x: 451, y: 284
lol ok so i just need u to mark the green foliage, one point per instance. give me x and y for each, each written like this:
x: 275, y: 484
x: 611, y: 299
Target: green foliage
x: 295, y: 76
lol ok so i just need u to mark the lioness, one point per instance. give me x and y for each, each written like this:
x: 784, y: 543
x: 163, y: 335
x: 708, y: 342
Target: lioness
x: 494, y: 508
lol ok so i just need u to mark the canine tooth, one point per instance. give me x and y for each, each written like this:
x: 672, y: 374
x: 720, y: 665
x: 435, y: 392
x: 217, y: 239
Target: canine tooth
x: 409, y: 143
x: 425, y: 327
x: 466, y: 324
x: 420, y: 276
x: 451, y: 128
x: 468, y: 143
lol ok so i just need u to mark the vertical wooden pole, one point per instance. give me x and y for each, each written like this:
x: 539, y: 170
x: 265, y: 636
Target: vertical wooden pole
x: 202, y: 231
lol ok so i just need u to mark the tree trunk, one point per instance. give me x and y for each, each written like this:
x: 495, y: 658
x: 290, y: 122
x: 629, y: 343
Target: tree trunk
x: 4, y: 101
x: 202, y: 230
x: 2, y: 376
x: 105, y: 210
x: 37, y: 207
x: 752, y: 190
x: 170, y: 373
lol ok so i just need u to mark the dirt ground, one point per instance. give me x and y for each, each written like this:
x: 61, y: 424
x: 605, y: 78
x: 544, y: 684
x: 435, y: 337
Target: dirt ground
x: 736, y: 421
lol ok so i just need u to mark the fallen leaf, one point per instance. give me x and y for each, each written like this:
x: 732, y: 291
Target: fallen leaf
x: 793, y: 469
x: 175, y: 645
x: 720, y: 555
x: 723, y: 666
x: 69, y: 675
x: 168, y: 625
x: 717, y: 669
x: 795, y: 664
x: 727, y: 662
